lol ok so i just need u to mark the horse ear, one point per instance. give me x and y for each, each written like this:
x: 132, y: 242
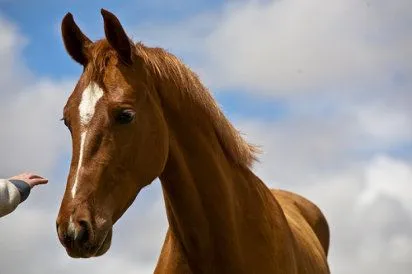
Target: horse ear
x: 74, y: 40
x: 117, y: 37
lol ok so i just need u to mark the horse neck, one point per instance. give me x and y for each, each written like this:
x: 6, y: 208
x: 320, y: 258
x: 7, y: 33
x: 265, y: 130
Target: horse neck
x: 212, y: 204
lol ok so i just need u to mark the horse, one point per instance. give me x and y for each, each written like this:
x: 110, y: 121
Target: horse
x: 138, y: 113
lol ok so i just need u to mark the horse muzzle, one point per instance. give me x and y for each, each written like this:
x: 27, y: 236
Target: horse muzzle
x: 82, y: 238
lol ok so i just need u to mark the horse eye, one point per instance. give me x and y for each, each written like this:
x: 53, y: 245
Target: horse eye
x: 125, y: 116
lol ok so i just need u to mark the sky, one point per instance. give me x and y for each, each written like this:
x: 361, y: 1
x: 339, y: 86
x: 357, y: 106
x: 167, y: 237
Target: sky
x: 323, y: 86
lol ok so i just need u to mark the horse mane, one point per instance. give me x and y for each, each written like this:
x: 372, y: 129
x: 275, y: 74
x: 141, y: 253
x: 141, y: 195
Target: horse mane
x: 167, y: 66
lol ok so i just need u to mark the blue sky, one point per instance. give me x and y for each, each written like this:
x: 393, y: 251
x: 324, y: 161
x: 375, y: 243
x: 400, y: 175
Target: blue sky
x: 40, y: 24
x: 323, y: 86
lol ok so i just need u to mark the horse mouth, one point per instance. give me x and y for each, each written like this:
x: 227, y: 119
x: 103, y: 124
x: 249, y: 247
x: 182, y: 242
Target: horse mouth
x: 97, y: 249
x: 105, y: 246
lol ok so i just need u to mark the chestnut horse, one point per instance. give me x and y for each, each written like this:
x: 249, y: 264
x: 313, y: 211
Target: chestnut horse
x: 138, y: 113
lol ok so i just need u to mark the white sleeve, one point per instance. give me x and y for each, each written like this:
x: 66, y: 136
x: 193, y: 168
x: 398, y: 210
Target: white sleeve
x: 9, y: 197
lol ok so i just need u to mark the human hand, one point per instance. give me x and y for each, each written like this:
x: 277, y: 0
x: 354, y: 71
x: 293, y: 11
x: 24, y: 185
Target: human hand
x: 31, y: 179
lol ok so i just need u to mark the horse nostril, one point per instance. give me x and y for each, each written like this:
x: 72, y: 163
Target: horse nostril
x: 82, y: 233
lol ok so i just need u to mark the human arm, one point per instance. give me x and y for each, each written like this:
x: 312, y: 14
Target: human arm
x: 15, y: 190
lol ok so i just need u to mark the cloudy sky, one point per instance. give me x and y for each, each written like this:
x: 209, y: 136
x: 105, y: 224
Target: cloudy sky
x: 324, y: 86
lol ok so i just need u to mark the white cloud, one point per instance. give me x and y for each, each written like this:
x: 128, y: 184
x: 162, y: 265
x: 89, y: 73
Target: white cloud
x: 295, y: 46
x: 32, y: 135
x: 383, y: 122
x: 386, y: 176
x: 300, y: 46
x: 11, y: 42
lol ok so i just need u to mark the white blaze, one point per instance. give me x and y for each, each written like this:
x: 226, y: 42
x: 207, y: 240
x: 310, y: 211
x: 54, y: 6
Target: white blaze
x: 79, y: 164
x: 91, y: 95
x: 71, y: 228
